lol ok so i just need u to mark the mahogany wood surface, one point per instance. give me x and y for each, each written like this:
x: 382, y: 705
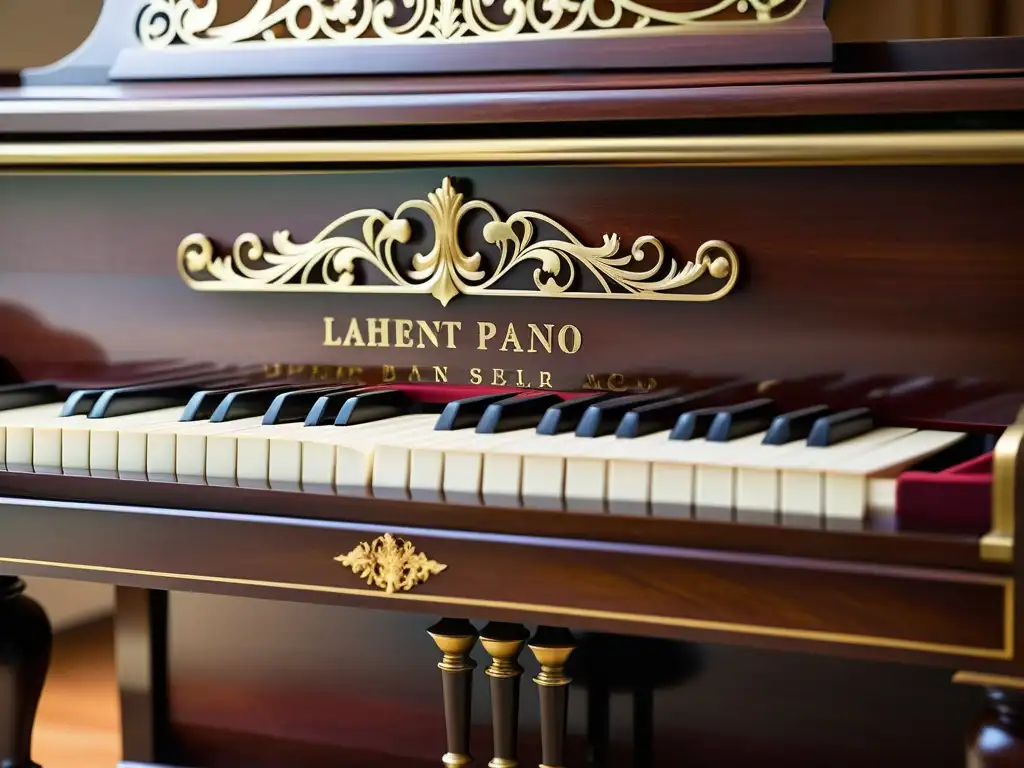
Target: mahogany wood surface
x: 937, y: 616
x: 833, y: 260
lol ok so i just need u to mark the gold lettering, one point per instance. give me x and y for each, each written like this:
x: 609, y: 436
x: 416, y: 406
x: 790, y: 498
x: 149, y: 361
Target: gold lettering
x: 567, y: 345
x: 651, y: 384
x: 451, y: 326
x: 498, y: 377
x: 403, y: 333
x: 474, y: 376
x: 536, y: 335
x: 388, y: 374
x: 354, y: 337
x: 354, y: 374
x: 414, y: 374
x: 330, y: 340
x: 377, y: 330
x: 272, y: 371
x: 545, y: 380
x: 616, y: 383
x: 487, y: 331
x: 592, y: 382
x: 441, y: 374
x: 295, y: 370
x: 519, y: 379
x: 510, y: 336
x: 426, y: 330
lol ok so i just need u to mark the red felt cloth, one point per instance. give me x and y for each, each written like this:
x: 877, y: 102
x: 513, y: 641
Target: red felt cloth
x: 957, y: 500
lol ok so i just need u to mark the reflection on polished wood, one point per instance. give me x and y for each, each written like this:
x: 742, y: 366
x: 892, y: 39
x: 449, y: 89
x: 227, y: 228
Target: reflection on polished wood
x: 78, y: 725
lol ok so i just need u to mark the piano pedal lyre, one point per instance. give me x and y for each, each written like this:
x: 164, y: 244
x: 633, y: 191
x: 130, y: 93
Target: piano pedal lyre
x: 552, y: 647
x: 503, y: 642
x: 456, y: 638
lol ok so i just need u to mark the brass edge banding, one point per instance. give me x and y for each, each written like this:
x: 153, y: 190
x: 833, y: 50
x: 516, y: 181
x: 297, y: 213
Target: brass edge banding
x: 988, y: 681
x: 912, y: 148
x: 997, y: 545
x: 183, y: 24
x: 327, y: 263
x: 1004, y: 653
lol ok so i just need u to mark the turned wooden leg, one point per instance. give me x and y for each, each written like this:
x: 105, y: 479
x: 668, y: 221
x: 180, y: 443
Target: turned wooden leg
x: 998, y: 739
x: 25, y: 643
x: 552, y: 647
x: 455, y: 638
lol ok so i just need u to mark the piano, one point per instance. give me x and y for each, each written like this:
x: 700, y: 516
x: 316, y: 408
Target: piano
x: 568, y: 384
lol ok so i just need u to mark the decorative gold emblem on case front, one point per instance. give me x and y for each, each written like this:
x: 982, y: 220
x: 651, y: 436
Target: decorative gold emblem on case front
x: 339, y: 22
x: 390, y: 563
x: 328, y: 261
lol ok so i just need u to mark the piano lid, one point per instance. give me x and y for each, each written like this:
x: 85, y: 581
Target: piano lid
x: 146, y: 40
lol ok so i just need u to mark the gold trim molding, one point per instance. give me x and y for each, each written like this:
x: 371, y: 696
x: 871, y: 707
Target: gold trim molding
x: 327, y: 263
x: 390, y: 563
x: 842, y: 149
x: 186, y: 23
x: 998, y: 544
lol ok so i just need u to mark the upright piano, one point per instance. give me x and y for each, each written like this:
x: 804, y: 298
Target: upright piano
x: 569, y: 383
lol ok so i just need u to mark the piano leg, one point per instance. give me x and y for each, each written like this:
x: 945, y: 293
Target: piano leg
x: 552, y: 648
x: 25, y: 643
x: 998, y: 740
x: 456, y: 638
x: 140, y: 638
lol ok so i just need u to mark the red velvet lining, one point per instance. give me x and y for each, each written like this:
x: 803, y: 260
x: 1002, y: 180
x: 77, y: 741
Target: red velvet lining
x: 957, y: 500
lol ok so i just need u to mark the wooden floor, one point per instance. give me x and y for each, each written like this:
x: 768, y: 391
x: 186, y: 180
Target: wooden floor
x: 79, y: 724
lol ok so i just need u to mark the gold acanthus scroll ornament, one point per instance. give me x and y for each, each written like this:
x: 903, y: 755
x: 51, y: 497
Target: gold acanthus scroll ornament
x: 390, y: 563
x: 327, y: 263
x: 346, y: 22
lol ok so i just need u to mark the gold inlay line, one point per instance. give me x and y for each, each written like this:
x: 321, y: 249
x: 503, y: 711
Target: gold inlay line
x: 1004, y: 653
x: 912, y: 148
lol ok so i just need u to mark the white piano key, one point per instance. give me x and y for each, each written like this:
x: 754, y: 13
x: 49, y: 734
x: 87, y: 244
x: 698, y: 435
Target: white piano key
x: 17, y: 436
x: 672, y: 490
x: 104, y: 438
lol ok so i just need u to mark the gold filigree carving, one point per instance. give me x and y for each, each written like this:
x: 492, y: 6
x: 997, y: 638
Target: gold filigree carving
x: 328, y: 261
x: 391, y: 563
x: 186, y: 22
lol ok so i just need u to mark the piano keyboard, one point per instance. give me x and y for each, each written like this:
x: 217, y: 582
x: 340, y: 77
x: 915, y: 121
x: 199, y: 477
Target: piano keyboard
x: 672, y: 454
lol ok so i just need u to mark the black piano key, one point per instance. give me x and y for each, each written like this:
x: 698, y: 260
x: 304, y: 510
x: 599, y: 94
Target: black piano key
x: 122, y: 401
x: 375, y: 405
x: 736, y: 421
x: 466, y: 412
x: 662, y: 415
x: 516, y: 413
x: 694, y: 424
x: 25, y: 395
x: 327, y: 407
x: 603, y: 418
x: 795, y: 425
x: 838, y: 427
x: 251, y: 402
x: 202, y: 404
x: 296, y: 405
x: 564, y: 416
x: 81, y: 401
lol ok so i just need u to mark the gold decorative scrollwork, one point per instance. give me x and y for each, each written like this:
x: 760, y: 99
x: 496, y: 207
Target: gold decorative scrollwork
x: 187, y: 22
x: 328, y: 261
x: 391, y: 563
